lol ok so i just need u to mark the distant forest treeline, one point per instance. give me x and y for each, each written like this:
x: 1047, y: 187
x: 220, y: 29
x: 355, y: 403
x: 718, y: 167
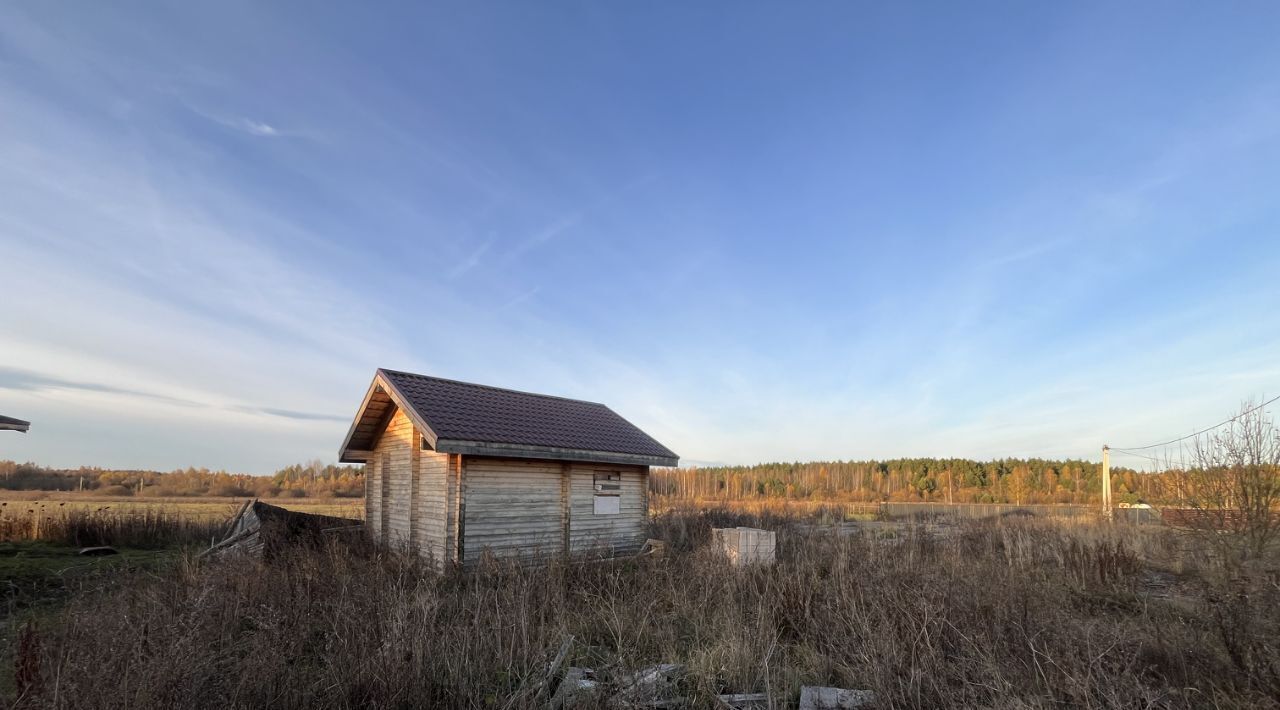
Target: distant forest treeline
x: 940, y: 480
x: 1021, y: 481
x: 309, y: 480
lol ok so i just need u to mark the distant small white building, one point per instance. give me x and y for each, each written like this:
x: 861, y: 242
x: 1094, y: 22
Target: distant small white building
x: 455, y: 470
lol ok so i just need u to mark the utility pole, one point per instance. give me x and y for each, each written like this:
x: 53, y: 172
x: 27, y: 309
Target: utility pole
x: 1106, y: 481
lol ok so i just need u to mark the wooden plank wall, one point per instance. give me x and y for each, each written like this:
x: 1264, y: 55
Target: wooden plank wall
x: 517, y: 507
x: 512, y: 508
x: 451, y: 506
x: 503, y: 507
x: 624, y: 533
x: 372, y: 498
x: 398, y: 446
x: 384, y: 496
x: 406, y: 505
x: 430, y: 514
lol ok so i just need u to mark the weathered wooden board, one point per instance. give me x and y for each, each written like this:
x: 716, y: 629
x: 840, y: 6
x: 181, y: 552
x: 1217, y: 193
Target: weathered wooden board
x: 517, y: 507
x: 620, y: 533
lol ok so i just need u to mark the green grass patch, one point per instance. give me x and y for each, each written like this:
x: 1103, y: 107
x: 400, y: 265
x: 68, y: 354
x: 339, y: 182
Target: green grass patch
x: 37, y: 579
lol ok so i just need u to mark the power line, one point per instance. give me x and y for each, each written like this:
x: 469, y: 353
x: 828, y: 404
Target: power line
x: 1197, y: 433
x: 1141, y: 456
x: 1114, y: 450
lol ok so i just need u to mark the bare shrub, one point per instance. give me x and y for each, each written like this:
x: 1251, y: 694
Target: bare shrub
x: 1233, y: 485
x: 1246, y: 611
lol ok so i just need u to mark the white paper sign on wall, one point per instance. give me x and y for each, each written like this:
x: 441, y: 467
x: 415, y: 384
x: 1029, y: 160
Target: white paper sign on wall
x: 608, y: 505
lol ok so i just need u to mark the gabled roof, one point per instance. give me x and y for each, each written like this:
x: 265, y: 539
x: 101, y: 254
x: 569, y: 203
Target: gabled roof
x: 465, y: 418
x: 13, y: 424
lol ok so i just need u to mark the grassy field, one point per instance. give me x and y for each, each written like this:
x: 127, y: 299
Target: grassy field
x: 1017, y: 613
x: 41, y: 534
x: 18, y: 503
x: 828, y: 511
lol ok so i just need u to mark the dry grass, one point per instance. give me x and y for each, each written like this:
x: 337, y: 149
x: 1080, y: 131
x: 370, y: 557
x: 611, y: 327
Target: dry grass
x: 12, y: 502
x: 1013, y: 614
x: 150, y: 527
x: 823, y: 511
x: 71, y: 519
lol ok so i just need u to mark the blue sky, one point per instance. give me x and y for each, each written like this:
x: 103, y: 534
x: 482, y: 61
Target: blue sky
x: 759, y: 231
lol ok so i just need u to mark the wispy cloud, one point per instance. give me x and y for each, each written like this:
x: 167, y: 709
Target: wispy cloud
x: 471, y: 261
x: 235, y: 122
x: 191, y: 274
x: 1014, y: 256
x: 258, y: 128
x: 24, y: 380
x: 574, y: 218
x: 521, y: 298
x: 247, y: 125
x: 291, y: 414
x: 544, y: 235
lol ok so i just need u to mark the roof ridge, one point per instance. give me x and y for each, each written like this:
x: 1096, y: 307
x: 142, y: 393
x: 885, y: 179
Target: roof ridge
x: 492, y: 387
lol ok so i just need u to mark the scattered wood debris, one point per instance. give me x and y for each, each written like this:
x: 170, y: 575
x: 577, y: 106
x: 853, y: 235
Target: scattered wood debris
x: 545, y: 682
x: 814, y: 697
x: 654, y: 686
x: 655, y: 549
x: 578, y: 686
x: 743, y: 701
x: 262, y: 530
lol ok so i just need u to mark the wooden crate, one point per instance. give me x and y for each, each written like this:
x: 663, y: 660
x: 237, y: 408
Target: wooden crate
x: 745, y: 546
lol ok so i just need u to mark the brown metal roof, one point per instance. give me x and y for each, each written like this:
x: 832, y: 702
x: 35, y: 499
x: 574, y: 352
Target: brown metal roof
x: 461, y: 417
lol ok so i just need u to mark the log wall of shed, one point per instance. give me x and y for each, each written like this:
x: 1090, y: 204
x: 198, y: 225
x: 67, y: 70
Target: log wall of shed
x: 526, y: 507
x: 395, y: 458
x: 450, y: 507
x: 512, y: 508
x: 405, y: 491
x: 372, y: 501
x: 623, y: 533
x: 430, y: 514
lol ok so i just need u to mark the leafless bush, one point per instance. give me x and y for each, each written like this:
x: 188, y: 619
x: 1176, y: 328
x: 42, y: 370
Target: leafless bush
x: 1246, y: 611
x: 1233, y: 485
x: 1001, y: 614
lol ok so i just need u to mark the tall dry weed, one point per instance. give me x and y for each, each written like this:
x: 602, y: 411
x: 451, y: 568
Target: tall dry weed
x: 979, y: 615
x: 141, y: 527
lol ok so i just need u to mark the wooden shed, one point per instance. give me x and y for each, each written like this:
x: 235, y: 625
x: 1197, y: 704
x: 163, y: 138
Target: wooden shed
x: 455, y: 470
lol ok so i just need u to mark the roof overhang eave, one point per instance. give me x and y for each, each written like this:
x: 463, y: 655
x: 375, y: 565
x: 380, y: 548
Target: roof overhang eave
x: 343, y: 451
x: 355, y: 456
x: 555, y: 453
x: 381, y: 382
